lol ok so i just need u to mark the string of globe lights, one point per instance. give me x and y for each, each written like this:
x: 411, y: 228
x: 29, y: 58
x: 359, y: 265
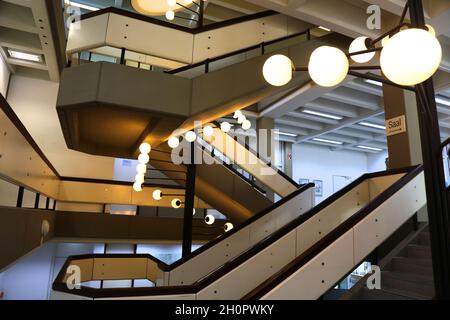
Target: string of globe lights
x: 176, y: 203
x: 408, y: 56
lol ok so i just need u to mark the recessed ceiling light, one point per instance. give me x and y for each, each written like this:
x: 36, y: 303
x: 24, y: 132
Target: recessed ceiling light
x: 376, y: 83
x: 328, y: 141
x: 285, y: 134
x: 442, y: 101
x: 372, y: 125
x: 323, y: 115
x: 83, y: 6
x: 324, y: 29
x: 369, y: 148
x: 25, y: 56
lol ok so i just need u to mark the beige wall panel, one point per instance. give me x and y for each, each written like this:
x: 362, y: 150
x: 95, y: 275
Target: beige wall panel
x: 88, y: 33
x: 8, y: 193
x: 120, y: 268
x: 331, y: 216
x: 247, y: 276
x: 86, y: 267
x: 319, y: 274
x: 379, y: 184
x: 94, y: 193
x: 204, y: 263
x: 20, y: 163
x: 389, y: 216
x: 162, y: 41
x: 153, y: 272
x: 79, y: 207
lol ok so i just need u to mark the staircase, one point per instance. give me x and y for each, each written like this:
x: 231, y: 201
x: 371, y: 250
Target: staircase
x: 407, y: 275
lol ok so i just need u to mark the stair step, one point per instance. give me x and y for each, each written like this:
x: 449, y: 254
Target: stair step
x: 424, y: 239
x: 418, y: 251
x: 367, y: 294
x: 412, y: 266
x: 413, y: 283
x: 409, y: 294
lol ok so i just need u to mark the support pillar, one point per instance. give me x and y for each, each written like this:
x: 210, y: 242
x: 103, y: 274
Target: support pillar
x: 189, y: 204
x: 266, y: 143
x: 287, y: 154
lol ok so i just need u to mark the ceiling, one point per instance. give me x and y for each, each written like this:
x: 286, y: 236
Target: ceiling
x: 355, y: 101
x: 26, y: 28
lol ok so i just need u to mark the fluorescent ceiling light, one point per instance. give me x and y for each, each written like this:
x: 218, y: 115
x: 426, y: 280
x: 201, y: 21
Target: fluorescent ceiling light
x: 444, y: 102
x: 285, y: 134
x: 369, y: 148
x: 24, y: 56
x: 323, y: 115
x: 376, y: 83
x: 328, y: 141
x: 83, y: 6
x: 324, y: 29
x: 372, y: 125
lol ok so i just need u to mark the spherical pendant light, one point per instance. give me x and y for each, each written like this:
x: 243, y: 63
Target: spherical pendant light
x: 237, y: 114
x: 246, y: 125
x: 241, y: 119
x: 411, y: 57
x: 431, y: 30
x: 144, y: 158
x: 190, y: 136
x: 328, y: 66
x: 174, y: 142
x: 137, y: 186
x: 141, y: 168
x: 278, y: 70
x: 176, y: 203
x: 208, y: 131
x: 170, y: 15
x: 359, y: 44
x: 225, y: 127
x: 140, y: 178
x: 145, y: 148
x: 194, y: 212
x: 228, y: 226
x: 209, y: 219
x: 157, y: 195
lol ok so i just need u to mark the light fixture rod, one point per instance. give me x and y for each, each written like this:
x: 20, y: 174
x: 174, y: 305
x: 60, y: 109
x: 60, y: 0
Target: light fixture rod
x: 365, y: 68
x: 187, y: 8
x: 390, y: 32
x: 405, y: 11
x: 379, y: 79
x: 364, y: 51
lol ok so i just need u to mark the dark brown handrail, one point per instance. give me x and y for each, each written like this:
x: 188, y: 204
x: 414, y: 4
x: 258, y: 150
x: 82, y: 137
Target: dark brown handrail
x: 166, y: 24
x: 236, y: 52
x: 411, y: 172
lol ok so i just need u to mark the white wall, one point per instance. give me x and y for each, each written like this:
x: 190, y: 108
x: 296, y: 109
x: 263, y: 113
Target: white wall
x: 4, y: 76
x: 376, y: 162
x: 34, y: 102
x: 29, y: 278
x: 320, y: 163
